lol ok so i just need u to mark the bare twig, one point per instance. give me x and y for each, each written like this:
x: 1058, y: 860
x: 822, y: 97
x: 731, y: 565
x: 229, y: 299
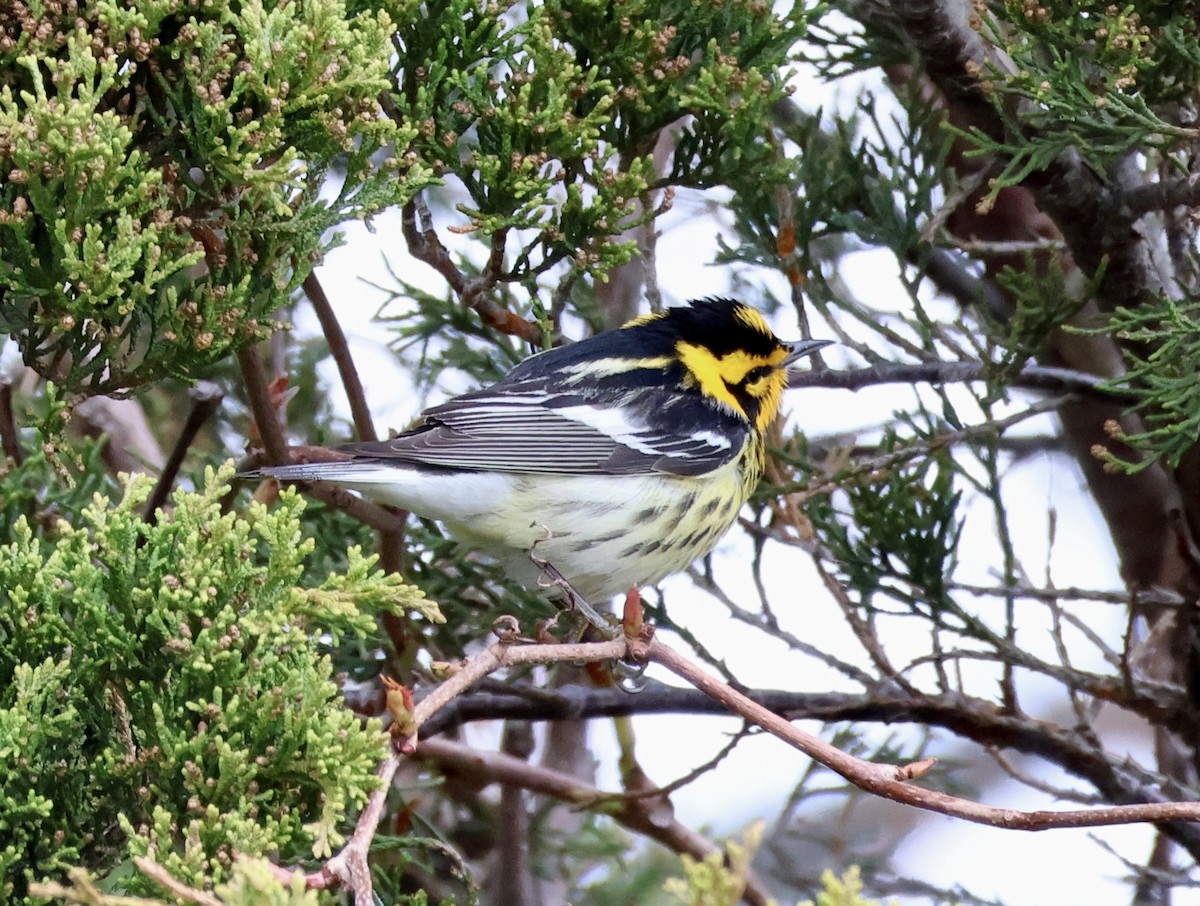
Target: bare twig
x: 385, y: 519
x: 83, y: 890
x: 261, y: 405
x: 512, y: 883
x: 881, y: 465
x: 206, y: 398
x: 1009, y: 246
x: 129, y: 444
x: 165, y: 879
x: 1034, y: 783
x: 1031, y: 377
x: 9, y: 442
x: 636, y: 813
x: 391, y: 541
x: 1163, y: 196
x: 424, y: 245
x: 364, y: 427
x: 888, y: 781
x: 863, y: 631
x: 1157, y: 597
x: 504, y: 654
x: 894, y: 781
x: 761, y: 620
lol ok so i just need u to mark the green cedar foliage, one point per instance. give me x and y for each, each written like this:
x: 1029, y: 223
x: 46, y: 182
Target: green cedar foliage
x: 547, y: 114
x: 164, y: 689
x: 160, y: 164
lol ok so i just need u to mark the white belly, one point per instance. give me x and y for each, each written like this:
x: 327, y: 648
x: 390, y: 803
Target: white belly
x: 605, y: 533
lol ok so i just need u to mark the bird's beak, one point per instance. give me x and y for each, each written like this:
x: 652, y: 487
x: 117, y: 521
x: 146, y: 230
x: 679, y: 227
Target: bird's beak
x: 800, y: 348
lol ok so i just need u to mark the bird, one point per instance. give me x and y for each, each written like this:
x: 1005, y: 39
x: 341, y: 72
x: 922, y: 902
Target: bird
x: 619, y: 459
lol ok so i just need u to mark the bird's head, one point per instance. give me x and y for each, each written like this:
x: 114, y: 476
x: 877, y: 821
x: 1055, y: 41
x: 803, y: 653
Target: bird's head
x: 731, y: 355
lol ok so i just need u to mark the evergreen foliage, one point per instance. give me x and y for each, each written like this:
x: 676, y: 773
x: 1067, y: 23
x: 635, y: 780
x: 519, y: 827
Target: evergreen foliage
x: 169, y: 682
x: 162, y: 170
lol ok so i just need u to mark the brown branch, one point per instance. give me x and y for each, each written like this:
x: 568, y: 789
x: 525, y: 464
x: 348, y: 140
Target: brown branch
x: 10, y: 443
x: 1031, y: 377
x: 129, y: 444
x: 881, y: 465
x: 166, y: 880
x: 261, y: 406
x: 424, y: 245
x: 364, y: 427
x: 1163, y: 196
x: 504, y: 654
x: 635, y: 813
x: 863, y: 631
x: 513, y: 878
x: 889, y: 781
x: 970, y: 718
x: 764, y: 619
x: 349, y: 867
x: 206, y: 398
x: 385, y: 519
x: 894, y: 781
x: 391, y: 541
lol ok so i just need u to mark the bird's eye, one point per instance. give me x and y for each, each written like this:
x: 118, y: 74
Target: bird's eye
x: 756, y: 374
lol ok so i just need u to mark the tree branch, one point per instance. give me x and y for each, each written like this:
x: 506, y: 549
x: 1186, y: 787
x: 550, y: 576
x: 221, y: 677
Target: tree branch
x: 1031, y: 377
x: 637, y: 813
x: 206, y: 398
x: 364, y: 427
x: 1163, y: 196
x: 892, y: 782
x: 10, y: 443
x: 261, y: 405
x: 424, y: 245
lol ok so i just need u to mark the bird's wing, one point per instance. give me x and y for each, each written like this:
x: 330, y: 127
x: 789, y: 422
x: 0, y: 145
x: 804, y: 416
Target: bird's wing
x: 531, y: 426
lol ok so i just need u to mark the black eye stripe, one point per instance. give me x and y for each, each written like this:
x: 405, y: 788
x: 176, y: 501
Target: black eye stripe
x: 756, y: 374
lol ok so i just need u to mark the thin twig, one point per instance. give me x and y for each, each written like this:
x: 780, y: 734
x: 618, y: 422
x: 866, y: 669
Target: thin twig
x: 894, y: 781
x: 349, y: 867
x: 9, y: 442
x: 165, y: 879
x: 364, y: 427
x: 1026, y: 779
x: 504, y: 654
x: 1009, y: 246
x: 261, y: 406
x: 391, y: 541
x: 863, y: 631
x: 881, y: 465
x: 1031, y: 377
x: 206, y: 398
x: 637, y: 814
x: 424, y: 245
x: 513, y: 878
x: 385, y: 519
x: 888, y: 781
x: 1158, y: 597
x: 759, y: 620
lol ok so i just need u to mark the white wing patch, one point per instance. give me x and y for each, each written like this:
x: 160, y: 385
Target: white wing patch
x: 613, y: 423
x: 711, y: 439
